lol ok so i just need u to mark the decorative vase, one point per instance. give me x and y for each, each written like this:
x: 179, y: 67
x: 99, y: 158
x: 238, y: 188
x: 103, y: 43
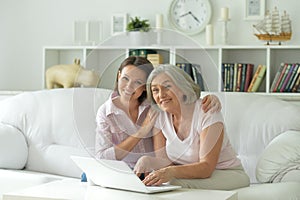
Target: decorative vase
x: 138, y: 38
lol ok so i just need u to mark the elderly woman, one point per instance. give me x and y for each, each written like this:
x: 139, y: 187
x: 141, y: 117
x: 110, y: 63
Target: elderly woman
x: 191, y: 147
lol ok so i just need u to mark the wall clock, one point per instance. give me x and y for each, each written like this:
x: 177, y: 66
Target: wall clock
x: 190, y: 16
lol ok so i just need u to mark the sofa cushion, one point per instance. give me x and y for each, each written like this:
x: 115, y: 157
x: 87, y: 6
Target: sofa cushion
x: 56, y: 123
x: 270, y: 191
x: 280, y: 159
x: 13, y: 147
x: 253, y: 121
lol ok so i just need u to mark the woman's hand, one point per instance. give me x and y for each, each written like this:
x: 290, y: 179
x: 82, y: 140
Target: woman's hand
x: 147, y: 124
x: 147, y: 164
x: 211, y: 103
x: 143, y: 166
x: 159, y: 177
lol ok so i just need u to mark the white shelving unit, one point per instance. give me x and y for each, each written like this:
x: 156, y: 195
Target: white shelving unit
x: 106, y: 60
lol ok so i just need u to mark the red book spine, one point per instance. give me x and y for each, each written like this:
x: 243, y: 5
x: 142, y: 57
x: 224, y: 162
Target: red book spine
x: 249, y: 74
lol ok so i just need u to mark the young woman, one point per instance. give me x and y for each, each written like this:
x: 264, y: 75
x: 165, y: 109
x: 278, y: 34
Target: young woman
x: 119, y: 120
x: 191, y: 146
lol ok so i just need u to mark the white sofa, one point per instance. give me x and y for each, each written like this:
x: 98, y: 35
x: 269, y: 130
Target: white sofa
x: 40, y: 130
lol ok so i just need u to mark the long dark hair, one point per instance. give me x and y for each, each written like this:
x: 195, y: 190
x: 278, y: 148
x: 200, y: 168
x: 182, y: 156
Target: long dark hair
x: 139, y: 62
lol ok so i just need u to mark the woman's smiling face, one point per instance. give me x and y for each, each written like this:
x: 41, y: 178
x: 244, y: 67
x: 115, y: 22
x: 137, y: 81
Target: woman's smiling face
x: 131, y: 82
x: 165, y: 92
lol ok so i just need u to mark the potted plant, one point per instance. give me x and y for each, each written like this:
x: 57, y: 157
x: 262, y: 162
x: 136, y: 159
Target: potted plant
x: 138, y: 31
x: 137, y: 24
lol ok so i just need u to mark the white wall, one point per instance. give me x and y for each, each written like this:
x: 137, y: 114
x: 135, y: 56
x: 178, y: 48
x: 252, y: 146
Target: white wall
x: 28, y: 25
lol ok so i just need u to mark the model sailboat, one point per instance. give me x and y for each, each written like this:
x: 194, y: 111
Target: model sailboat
x: 272, y: 28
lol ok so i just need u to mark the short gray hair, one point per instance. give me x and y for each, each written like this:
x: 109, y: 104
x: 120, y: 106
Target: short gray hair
x: 180, y: 78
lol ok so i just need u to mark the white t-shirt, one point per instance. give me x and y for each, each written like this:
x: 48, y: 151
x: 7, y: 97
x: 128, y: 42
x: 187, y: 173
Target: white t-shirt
x: 187, y: 150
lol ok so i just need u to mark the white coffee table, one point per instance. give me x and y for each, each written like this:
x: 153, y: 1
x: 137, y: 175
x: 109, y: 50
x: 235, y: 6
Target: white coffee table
x: 68, y: 189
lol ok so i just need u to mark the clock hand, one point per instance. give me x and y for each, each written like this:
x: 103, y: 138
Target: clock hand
x: 185, y: 14
x: 190, y: 13
x: 194, y: 17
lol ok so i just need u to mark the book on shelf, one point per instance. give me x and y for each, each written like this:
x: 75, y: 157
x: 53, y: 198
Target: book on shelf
x: 296, y: 85
x: 243, y: 77
x: 249, y: 74
x: 197, y: 74
x: 290, y: 87
x: 227, y: 73
x: 287, y: 77
x: 284, y: 77
x: 134, y: 52
x: 155, y: 59
x: 239, y: 77
x: 187, y: 67
x: 291, y: 82
x: 231, y: 78
x: 235, y: 73
x: 224, y: 75
x: 257, y: 78
x: 278, y: 77
x: 141, y: 52
x: 194, y: 70
x: 145, y: 52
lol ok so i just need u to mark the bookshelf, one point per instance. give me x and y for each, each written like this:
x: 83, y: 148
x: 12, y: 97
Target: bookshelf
x: 106, y: 60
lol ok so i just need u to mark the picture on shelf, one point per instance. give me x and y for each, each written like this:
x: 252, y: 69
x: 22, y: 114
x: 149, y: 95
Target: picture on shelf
x: 94, y: 32
x: 79, y: 32
x: 87, y: 32
x: 119, y: 23
x: 254, y: 9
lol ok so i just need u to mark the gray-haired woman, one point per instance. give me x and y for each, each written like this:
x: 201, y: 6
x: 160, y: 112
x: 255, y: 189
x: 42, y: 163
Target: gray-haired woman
x: 191, y: 147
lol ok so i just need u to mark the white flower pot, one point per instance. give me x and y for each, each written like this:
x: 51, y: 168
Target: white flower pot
x: 138, y: 38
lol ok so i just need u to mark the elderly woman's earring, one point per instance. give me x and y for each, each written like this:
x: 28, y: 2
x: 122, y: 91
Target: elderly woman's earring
x: 184, y: 98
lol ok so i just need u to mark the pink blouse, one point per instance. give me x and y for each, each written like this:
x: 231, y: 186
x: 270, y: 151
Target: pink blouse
x: 114, y: 126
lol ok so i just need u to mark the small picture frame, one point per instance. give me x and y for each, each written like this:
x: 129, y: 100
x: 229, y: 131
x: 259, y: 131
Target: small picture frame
x: 255, y: 9
x: 94, y: 32
x: 119, y: 23
x: 80, y: 32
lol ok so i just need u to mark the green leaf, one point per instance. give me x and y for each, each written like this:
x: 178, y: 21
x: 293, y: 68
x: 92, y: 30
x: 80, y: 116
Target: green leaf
x: 136, y: 24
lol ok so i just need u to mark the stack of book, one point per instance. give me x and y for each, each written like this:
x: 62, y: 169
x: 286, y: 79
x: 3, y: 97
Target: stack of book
x: 194, y: 70
x: 239, y: 77
x: 287, y: 78
x: 155, y: 59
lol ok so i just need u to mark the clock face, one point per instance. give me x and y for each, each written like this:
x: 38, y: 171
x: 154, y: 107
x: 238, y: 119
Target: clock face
x: 190, y: 16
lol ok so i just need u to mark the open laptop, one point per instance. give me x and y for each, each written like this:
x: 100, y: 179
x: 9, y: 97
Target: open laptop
x: 116, y: 174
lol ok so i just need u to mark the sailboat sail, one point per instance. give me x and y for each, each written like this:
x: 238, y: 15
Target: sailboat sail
x: 286, y: 23
x: 276, y: 26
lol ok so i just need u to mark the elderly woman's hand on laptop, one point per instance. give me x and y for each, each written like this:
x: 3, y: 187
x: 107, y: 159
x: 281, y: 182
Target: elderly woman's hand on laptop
x: 146, y: 165
x: 143, y: 166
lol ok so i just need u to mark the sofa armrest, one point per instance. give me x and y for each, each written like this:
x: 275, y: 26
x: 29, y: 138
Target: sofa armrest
x: 280, y: 161
x: 13, y: 148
